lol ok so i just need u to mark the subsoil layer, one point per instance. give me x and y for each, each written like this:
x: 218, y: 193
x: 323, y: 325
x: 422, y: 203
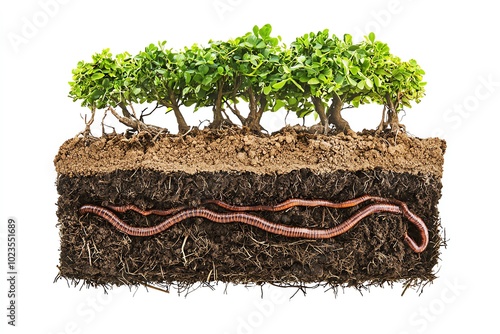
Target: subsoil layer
x: 173, y: 171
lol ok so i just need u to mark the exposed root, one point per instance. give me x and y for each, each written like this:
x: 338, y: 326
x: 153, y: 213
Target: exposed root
x: 138, y: 125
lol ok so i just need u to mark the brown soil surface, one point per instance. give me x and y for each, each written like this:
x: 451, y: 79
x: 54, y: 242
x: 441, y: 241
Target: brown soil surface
x: 236, y: 150
x: 244, y: 169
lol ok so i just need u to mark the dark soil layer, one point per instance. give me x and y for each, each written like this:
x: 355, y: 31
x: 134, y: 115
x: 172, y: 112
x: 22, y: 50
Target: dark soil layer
x: 198, y: 250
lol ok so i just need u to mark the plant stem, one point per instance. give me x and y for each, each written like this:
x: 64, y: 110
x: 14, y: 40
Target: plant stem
x: 392, y: 114
x: 181, y: 122
x: 335, y: 117
x: 217, y: 109
x: 320, y: 109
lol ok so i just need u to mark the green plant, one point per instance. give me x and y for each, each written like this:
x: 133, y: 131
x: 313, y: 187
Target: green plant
x: 402, y: 86
x: 208, y: 76
x: 160, y: 77
x: 396, y: 83
x: 109, y: 82
x: 226, y: 73
x: 257, y: 62
x: 309, y: 75
x: 327, y: 71
x: 318, y: 74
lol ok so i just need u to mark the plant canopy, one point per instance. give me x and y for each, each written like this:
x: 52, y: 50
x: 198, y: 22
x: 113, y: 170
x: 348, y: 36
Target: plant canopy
x: 319, y: 74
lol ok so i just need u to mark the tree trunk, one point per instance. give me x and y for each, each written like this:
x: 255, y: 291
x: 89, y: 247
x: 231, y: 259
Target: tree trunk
x: 217, y: 110
x: 86, y: 132
x: 392, y: 115
x: 252, y: 106
x: 256, y: 111
x: 335, y: 117
x: 124, y: 109
x: 236, y: 112
x: 181, y: 122
x: 320, y: 109
x: 383, y: 124
x: 262, y: 108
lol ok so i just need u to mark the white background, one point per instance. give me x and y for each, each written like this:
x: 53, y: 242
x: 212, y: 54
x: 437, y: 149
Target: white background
x: 455, y: 42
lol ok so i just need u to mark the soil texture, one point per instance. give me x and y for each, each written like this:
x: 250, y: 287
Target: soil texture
x: 236, y: 150
x: 243, y: 169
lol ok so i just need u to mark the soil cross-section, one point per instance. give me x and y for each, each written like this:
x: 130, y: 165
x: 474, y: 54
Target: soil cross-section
x: 243, y: 169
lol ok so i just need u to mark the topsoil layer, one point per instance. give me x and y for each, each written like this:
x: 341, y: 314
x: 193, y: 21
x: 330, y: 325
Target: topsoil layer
x: 235, y: 150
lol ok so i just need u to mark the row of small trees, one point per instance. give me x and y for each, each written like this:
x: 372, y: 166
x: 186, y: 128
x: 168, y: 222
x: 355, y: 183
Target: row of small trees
x: 318, y: 73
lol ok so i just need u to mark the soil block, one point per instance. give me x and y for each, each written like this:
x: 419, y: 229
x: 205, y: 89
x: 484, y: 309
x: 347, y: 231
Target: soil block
x: 241, y: 168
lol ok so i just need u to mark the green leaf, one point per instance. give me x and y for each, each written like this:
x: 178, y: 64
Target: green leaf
x: 351, y: 81
x: 278, y: 105
x: 368, y: 83
x: 207, y: 80
x: 313, y: 81
x: 261, y: 45
x: 267, y: 90
x: 256, y: 30
x: 297, y: 85
x: 345, y: 64
x: 96, y: 94
x: 371, y: 37
x: 265, y: 31
x: 97, y: 76
x: 382, y: 72
x: 203, y: 69
x: 356, y: 101
x: 280, y: 84
x: 106, y: 83
x: 354, y: 69
x: 348, y: 39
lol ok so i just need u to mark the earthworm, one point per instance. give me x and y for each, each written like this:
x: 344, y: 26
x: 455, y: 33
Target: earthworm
x: 249, y: 219
x: 272, y: 208
x: 416, y: 220
x: 303, y: 202
x: 131, y: 207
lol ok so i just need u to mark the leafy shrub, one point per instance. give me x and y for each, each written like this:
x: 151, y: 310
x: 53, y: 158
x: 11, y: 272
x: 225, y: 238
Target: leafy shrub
x: 317, y: 74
